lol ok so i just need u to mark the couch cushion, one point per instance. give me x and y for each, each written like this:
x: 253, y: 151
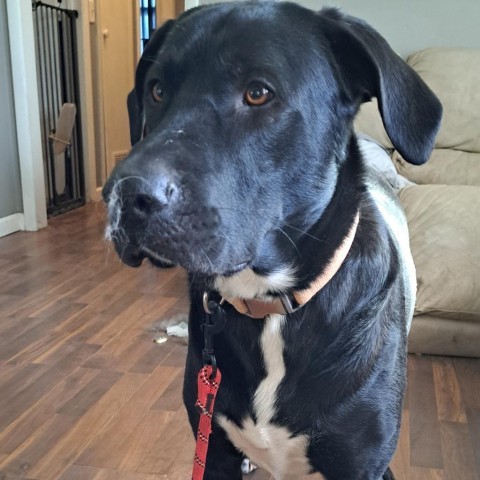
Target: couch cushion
x: 369, y: 122
x: 453, y: 74
x: 442, y: 336
x: 444, y: 226
x: 449, y: 167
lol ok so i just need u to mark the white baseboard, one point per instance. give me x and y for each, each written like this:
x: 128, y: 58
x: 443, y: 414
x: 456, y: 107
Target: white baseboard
x: 12, y: 224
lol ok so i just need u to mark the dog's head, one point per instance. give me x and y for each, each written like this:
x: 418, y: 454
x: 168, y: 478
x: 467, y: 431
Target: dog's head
x: 241, y: 118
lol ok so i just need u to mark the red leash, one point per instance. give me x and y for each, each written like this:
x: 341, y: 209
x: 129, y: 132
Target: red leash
x: 208, y: 382
x: 209, y: 379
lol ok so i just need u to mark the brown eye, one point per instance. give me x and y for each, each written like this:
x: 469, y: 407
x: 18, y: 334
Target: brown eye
x: 157, y: 92
x: 257, y: 95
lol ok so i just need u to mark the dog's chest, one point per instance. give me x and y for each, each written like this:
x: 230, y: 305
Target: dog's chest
x: 270, y: 446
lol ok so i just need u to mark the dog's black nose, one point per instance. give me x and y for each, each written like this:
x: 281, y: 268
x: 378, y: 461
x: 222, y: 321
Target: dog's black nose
x: 148, y: 199
x: 136, y: 195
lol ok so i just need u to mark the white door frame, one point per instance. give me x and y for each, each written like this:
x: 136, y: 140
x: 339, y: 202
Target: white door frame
x: 27, y: 115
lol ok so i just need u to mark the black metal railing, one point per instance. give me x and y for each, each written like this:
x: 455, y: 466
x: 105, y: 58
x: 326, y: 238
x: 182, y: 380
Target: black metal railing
x: 57, y: 62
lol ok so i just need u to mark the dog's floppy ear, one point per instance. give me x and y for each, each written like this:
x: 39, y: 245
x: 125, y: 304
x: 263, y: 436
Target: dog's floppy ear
x: 368, y: 67
x: 136, y: 115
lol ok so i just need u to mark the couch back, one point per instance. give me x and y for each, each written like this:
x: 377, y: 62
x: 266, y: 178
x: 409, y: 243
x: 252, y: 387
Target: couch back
x: 454, y: 75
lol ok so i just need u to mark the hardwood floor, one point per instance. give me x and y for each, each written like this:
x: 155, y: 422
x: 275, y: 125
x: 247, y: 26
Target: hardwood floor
x: 86, y: 394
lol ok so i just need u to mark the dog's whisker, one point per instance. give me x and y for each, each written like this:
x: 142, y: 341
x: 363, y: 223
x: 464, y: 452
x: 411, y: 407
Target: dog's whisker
x: 290, y: 239
x: 207, y: 257
x: 303, y: 232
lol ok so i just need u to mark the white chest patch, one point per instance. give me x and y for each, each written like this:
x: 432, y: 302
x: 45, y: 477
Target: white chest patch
x: 269, y: 446
x: 247, y: 284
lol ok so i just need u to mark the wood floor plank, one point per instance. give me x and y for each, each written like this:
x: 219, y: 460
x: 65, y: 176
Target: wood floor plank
x: 64, y: 453
x: 459, y: 461
x: 115, y: 475
x: 23, y: 379
x: 76, y: 353
x: 154, y: 355
x: 49, y: 341
x: 79, y: 472
x: 171, y: 399
x: 31, y: 419
x: 111, y: 446
x: 163, y: 453
x: 124, y: 443
x: 468, y: 374
x: 122, y: 344
x: 176, y: 358
x: 400, y: 464
x: 425, y: 445
x: 24, y: 342
x: 20, y: 462
x: 34, y: 392
x: 448, y: 394
x: 418, y: 473
x: 473, y: 417
x: 98, y: 386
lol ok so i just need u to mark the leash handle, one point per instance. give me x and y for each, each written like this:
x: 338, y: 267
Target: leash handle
x: 209, y: 379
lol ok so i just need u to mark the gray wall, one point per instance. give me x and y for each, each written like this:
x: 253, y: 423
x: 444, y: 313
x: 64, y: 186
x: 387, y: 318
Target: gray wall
x: 411, y: 25
x: 10, y: 188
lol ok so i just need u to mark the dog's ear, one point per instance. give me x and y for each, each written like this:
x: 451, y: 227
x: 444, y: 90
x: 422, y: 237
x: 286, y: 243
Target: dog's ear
x: 136, y: 115
x: 368, y: 67
x: 135, y: 118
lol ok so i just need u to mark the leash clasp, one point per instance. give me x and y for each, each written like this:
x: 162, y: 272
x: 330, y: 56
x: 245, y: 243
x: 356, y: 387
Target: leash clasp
x: 215, y: 320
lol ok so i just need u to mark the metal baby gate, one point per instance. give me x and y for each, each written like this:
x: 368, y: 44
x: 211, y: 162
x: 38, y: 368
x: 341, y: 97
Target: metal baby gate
x: 56, y: 44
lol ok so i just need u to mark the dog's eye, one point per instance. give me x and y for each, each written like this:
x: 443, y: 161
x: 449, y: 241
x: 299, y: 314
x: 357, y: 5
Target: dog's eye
x: 257, y: 95
x: 157, y: 92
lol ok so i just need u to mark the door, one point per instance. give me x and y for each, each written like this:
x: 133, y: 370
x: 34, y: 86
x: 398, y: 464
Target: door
x: 117, y: 40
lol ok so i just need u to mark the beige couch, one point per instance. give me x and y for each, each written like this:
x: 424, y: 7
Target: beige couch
x: 443, y: 208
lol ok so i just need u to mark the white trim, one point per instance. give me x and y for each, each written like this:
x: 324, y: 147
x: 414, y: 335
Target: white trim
x: 25, y: 93
x: 11, y: 224
x: 191, y: 4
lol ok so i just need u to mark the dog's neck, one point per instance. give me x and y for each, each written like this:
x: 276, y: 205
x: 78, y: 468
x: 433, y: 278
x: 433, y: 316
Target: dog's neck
x: 251, y: 294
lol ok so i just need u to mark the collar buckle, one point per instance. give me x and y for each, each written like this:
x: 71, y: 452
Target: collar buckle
x: 289, y: 304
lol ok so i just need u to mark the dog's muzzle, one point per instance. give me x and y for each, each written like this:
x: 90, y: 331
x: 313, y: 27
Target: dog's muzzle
x: 163, y: 220
x: 133, y: 203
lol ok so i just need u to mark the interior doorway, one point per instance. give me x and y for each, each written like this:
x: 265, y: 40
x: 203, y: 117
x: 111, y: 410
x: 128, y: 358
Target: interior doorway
x: 116, y: 41
x: 121, y: 30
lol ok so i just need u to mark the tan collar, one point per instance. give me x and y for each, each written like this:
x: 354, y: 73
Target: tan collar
x: 284, y: 304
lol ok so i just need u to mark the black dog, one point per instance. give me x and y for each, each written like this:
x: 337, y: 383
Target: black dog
x: 247, y: 173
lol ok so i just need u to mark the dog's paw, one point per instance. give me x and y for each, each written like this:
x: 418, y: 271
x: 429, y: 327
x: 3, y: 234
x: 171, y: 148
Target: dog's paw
x: 248, y: 466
